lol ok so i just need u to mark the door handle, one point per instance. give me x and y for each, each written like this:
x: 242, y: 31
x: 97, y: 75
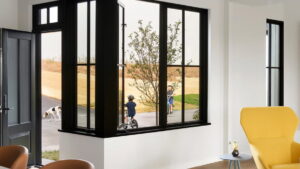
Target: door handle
x: 6, y: 108
x: 3, y: 108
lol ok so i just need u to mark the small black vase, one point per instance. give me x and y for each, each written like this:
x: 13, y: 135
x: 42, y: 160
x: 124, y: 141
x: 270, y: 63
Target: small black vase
x: 235, y: 153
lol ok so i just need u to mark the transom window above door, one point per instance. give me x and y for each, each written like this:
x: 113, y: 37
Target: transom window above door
x: 48, y: 15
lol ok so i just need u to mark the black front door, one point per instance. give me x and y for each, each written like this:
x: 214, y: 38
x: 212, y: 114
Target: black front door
x: 18, y: 94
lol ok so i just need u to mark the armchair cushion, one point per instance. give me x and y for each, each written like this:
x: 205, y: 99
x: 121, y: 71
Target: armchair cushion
x: 287, y: 166
x: 274, y: 150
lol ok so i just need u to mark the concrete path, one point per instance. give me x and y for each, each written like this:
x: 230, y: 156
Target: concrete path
x: 50, y: 128
x: 148, y: 119
x: 50, y: 139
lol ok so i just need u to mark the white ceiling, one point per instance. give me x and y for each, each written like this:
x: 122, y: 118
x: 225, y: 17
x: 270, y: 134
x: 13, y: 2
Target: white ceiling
x: 258, y: 2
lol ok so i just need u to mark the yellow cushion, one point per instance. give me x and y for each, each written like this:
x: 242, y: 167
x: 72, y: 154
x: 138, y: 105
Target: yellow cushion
x: 287, y: 166
x: 274, y: 150
x: 269, y: 122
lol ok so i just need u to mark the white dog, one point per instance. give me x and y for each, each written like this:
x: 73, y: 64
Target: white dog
x: 53, y: 113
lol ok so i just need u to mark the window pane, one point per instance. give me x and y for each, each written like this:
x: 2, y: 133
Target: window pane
x: 192, y: 38
x: 273, y: 65
x: 174, y: 37
x: 51, y: 65
x: 43, y: 15
x: 82, y: 96
x: 275, y: 46
x: 82, y: 32
x: 141, y: 74
x: 92, y: 95
x: 192, y: 93
x: 174, y: 95
x: 53, y: 14
x: 51, y: 89
x: 121, y: 96
x: 267, y: 44
x: 121, y: 69
x: 121, y: 36
x: 93, y: 31
x: 275, y: 87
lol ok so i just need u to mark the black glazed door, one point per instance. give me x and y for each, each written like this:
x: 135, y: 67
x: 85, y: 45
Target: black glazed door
x: 18, y: 92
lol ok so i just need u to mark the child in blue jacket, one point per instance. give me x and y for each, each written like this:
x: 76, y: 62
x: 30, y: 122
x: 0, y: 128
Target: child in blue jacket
x: 131, y: 107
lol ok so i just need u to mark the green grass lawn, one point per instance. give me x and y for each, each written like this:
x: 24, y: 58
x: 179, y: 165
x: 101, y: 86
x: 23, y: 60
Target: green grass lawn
x: 51, y: 155
x: 192, y: 99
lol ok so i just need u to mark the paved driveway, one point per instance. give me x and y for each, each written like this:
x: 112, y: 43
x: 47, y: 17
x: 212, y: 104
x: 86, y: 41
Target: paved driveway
x: 50, y: 139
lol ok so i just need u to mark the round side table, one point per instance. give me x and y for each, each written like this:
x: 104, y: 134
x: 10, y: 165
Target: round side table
x: 235, y: 161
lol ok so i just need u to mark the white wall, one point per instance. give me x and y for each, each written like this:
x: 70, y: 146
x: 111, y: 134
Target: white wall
x: 9, y: 14
x: 247, y: 55
x: 292, y: 55
x: 176, y: 149
x: 25, y: 13
x: 17, y: 14
x: 82, y: 147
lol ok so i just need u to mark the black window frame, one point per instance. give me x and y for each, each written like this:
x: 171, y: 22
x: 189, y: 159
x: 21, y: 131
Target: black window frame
x: 36, y: 17
x: 122, y: 48
x: 106, y: 112
x: 203, y: 66
x: 269, y: 66
x: 38, y: 29
x: 88, y: 65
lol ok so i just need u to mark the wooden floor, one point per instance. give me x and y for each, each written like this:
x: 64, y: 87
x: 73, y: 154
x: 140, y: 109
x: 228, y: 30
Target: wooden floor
x: 224, y: 165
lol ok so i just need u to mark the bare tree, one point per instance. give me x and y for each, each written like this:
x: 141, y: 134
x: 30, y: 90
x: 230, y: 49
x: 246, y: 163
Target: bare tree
x: 144, y: 60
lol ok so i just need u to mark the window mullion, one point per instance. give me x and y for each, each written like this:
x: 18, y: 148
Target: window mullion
x: 48, y: 15
x: 183, y: 68
x: 88, y: 63
x: 163, y: 66
x: 204, y: 65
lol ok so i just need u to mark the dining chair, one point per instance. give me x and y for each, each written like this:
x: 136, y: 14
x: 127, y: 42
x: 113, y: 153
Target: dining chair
x: 69, y: 164
x: 14, y: 157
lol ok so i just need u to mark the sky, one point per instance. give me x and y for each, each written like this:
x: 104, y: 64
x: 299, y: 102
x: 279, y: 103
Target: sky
x: 51, y: 46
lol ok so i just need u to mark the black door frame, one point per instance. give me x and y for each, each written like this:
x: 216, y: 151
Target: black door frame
x: 38, y: 29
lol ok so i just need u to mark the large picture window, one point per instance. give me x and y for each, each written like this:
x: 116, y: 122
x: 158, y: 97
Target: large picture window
x: 162, y: 65
x: 274, y: 62
x: 150, y: 61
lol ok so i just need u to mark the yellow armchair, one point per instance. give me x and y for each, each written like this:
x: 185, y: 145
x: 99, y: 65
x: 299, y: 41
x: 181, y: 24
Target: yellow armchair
x: 270, y: 132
